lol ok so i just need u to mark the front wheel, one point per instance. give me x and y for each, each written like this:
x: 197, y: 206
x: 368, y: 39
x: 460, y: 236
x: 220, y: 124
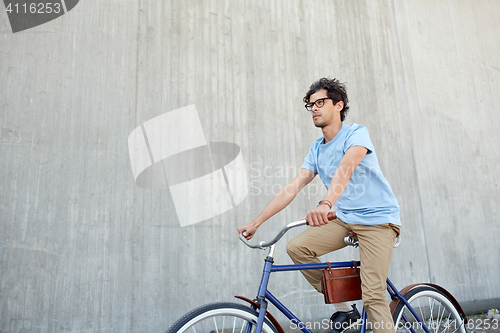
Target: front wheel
x: 437, y: 312
x: 221, y: 318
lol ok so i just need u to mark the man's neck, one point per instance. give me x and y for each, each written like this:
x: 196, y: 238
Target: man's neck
x: 331, y: 130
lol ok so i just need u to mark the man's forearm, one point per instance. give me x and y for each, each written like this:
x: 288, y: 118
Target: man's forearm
x: 338, y: 184
x: 343, y: 174
x: 281, y: 199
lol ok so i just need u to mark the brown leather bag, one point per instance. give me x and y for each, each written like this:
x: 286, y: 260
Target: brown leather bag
x: 341, y: 284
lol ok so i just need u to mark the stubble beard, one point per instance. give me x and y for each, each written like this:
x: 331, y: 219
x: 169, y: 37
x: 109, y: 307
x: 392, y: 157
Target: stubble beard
x: 319, y: 124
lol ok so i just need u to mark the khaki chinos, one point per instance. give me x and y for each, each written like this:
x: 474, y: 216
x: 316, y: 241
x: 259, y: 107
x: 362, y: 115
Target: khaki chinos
x: 375, y: 250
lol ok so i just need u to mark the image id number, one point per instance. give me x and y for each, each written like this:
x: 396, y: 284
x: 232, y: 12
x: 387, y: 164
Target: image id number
x: 484, y: 324
x: 35, y: 8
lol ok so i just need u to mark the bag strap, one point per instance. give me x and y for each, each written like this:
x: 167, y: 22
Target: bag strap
x: 329, y: 267
x: 355, y: 265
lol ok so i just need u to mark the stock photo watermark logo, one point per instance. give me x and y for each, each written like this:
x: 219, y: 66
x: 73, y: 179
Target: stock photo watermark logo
x: 26, y: 14
x: 170, y: 152
x: 268, y: 180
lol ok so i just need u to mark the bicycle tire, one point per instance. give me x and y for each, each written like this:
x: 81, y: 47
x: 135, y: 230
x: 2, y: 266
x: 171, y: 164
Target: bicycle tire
x: 213, y: 318
x: 432, y: 306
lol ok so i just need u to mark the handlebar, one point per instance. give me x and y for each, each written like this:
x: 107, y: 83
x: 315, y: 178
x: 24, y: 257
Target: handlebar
x: 350, y: 240
x: 264, y: 245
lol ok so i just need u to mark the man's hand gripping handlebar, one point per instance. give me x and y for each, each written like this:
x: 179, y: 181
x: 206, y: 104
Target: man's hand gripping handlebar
x: 264, y: 245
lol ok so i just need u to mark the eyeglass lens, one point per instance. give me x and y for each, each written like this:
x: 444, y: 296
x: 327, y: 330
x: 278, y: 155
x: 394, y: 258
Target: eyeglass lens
x: 319, y: 103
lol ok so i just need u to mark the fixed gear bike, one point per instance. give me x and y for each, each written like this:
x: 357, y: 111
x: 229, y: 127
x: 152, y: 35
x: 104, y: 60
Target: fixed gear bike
x: 422, y: 307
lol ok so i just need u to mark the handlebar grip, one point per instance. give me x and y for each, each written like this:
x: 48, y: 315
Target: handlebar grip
x: 250, y: 244
x: 244, y: 240
x: 332, y: 216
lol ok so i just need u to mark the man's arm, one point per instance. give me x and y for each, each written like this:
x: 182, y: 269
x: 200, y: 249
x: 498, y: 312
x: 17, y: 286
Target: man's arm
x: 280, y: 200
x: 340, y: 179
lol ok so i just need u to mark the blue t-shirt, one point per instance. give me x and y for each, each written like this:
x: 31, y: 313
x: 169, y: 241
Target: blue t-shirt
x: 368, y: 197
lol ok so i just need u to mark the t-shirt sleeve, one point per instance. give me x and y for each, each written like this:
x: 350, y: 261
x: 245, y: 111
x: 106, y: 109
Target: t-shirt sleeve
x: 359, y: 137
x: 310, y: 161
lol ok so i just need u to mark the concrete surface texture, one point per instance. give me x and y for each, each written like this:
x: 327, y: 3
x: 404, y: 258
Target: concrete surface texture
x: 83, y: 248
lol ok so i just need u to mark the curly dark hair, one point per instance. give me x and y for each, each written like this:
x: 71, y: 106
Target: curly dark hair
x: 335, y: 90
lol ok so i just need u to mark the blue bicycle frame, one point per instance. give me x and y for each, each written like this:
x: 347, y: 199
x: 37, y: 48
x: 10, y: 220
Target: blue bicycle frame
x: 263, y: 294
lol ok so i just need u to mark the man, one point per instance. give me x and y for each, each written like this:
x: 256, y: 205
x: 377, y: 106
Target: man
x: 347, y: 164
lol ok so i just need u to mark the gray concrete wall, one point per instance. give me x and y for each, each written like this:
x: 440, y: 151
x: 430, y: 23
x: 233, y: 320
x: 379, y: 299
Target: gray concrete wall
x: 85, y: 249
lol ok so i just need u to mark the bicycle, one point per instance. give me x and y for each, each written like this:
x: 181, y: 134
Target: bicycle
x: 416, y: 308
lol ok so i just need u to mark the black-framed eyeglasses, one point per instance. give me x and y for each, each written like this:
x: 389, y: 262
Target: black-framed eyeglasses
x: 319, y: 103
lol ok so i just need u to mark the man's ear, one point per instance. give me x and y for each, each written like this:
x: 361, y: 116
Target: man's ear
x: 339, y: 105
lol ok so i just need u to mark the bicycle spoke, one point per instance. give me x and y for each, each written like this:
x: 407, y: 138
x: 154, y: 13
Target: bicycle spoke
x: 431, y: 314
x: 216, y: 329
x: 442, y: 315
x: 422, y: 317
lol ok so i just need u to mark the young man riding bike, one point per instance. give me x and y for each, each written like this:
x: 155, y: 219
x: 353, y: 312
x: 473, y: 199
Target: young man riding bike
x: 345, y: 160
